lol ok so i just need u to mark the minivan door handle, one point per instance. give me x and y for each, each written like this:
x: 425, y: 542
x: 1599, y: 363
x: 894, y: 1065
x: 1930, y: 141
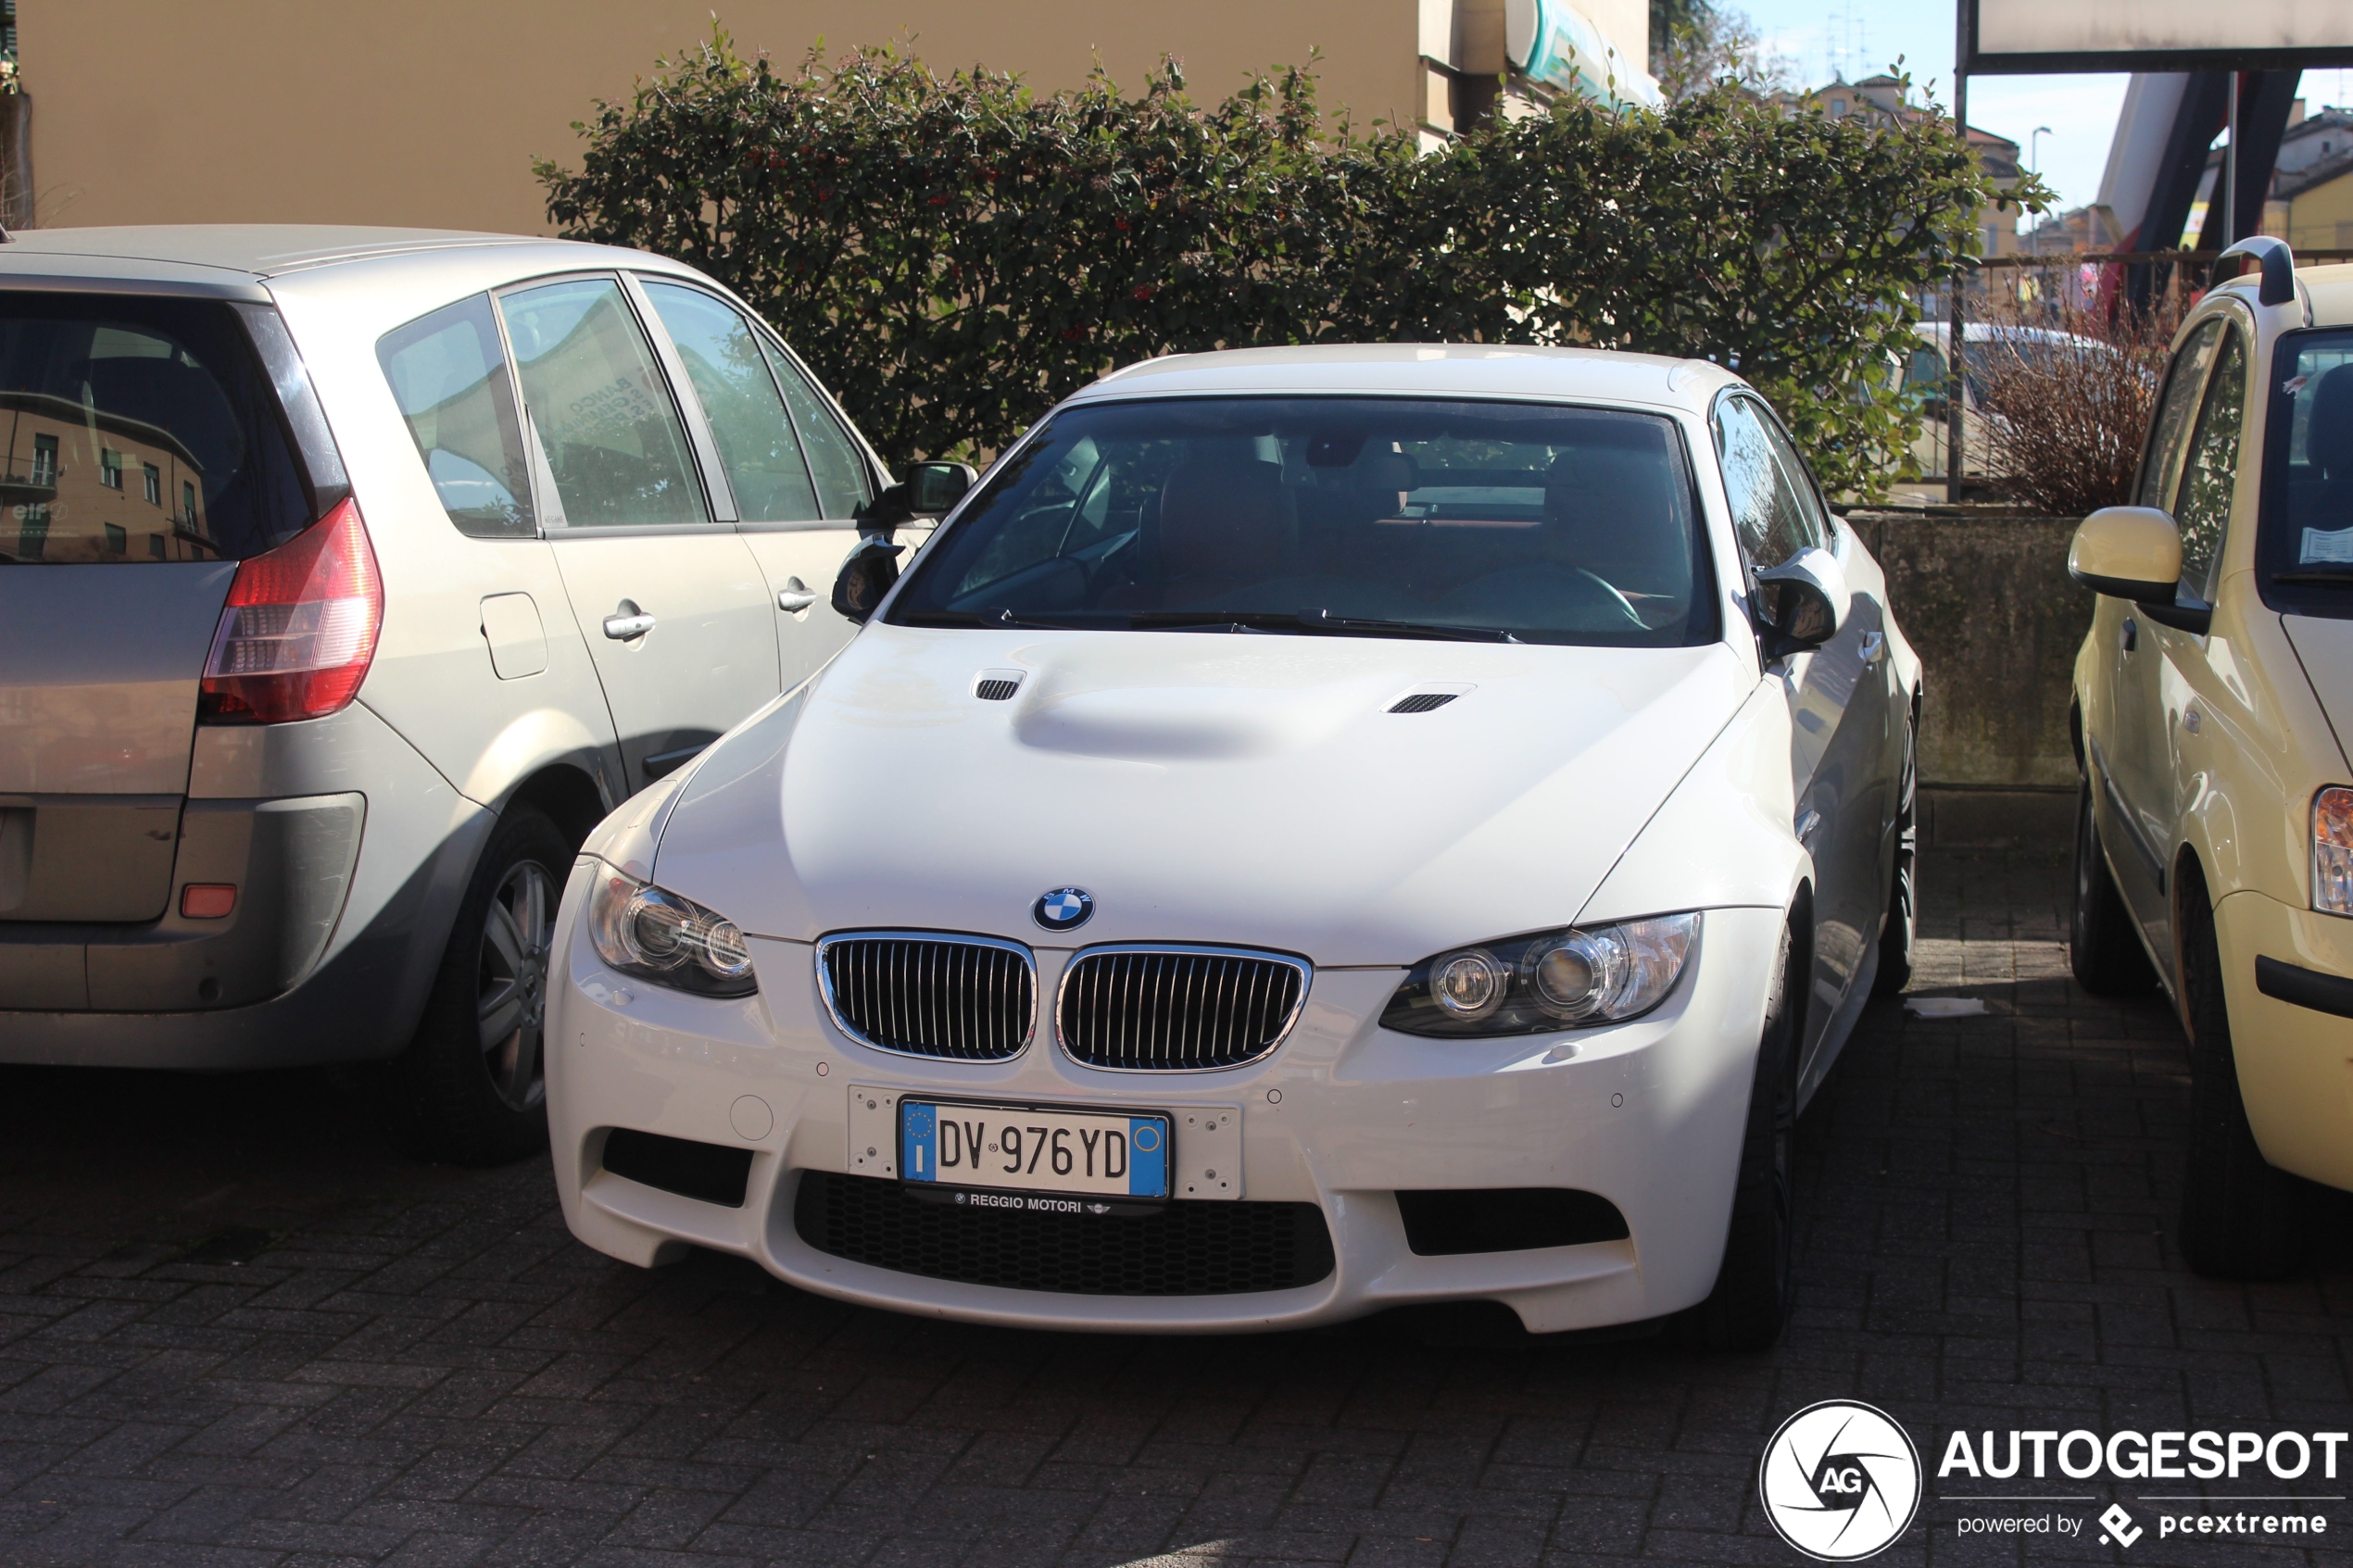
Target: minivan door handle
x: 626, y: 622
x: 795, y: 595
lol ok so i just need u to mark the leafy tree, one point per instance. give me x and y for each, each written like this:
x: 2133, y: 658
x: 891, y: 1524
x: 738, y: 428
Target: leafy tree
x: 955, y: 254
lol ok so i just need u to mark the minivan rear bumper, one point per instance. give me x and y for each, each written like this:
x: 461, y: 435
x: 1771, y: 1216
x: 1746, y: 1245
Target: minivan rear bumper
x: 290, y: 864
x: 360, y: 1005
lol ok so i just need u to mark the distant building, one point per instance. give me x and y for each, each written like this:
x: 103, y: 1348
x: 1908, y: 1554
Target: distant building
x: 1881, y: 102
x: 2310, y: 202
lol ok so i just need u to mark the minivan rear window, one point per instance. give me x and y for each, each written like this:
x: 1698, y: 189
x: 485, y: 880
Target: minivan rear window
x: 138, y: 429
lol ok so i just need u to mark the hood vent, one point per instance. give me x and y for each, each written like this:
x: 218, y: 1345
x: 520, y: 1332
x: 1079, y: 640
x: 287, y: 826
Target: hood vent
x: 1422, y: 702
x: 997, y: 685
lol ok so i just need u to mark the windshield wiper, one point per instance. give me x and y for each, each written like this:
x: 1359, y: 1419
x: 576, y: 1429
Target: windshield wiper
x: 1309, y: 620
x: 1323, y: 620
x: 983, y: 617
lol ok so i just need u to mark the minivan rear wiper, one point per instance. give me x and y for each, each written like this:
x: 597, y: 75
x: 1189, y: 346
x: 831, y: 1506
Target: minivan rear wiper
x: 1311, y: 621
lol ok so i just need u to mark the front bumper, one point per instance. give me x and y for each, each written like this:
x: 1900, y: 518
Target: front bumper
x: 2294, y: 1062
x: 1343, y: 1115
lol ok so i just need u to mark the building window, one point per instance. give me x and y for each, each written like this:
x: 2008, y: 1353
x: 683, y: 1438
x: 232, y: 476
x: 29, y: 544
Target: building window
x: 155, y: 545
x: 110, y: 468
x: 118, y: 540
x: 45, y: 459
x: 188, y: 501
x: 155, y: 484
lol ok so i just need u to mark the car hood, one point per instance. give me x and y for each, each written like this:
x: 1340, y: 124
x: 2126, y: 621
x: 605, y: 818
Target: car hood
x: 1246, y: 789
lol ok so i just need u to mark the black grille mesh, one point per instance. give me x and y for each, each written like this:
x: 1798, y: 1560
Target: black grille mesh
x: 1173, y: 1010
x: 996, y: 691
x: 1422, y: 702
x: 932, y: 996
x: 1184, y: 1249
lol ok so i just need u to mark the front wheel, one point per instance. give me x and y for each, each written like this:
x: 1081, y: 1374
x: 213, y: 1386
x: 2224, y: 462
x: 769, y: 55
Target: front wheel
x: 2101, y: 945
x: 1754, y: 1285
x: 471, y: 1087
x: 2241, y: 1216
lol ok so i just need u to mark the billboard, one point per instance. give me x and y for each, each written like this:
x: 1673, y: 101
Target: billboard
x: 2005, y: 37
x: 1552, y: 41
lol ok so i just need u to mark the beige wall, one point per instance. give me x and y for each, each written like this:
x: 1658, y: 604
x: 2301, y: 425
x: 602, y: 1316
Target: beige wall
x: 430, y: 111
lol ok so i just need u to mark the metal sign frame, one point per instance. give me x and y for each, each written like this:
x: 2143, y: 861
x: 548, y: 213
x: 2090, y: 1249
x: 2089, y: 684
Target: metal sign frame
x: 1975, y: 61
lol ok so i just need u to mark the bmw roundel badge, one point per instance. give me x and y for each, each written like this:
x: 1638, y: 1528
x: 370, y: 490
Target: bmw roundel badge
x: 1065, y: 909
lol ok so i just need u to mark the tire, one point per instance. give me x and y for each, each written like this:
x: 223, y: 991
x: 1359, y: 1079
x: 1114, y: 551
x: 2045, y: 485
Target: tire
x: 1754, y: 1285
x: 1902, y: 930
x: 2102, y: 946
x: 471, y: 1089
x: 2241, y: 1217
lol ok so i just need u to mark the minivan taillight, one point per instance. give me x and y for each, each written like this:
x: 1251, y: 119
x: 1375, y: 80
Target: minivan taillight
x: 299, y: 627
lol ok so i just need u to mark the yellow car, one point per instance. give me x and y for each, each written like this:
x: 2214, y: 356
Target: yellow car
x: 2213, y: 703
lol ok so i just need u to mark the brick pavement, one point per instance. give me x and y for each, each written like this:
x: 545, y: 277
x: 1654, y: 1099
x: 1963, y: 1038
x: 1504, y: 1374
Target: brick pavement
x: 235, y: 1329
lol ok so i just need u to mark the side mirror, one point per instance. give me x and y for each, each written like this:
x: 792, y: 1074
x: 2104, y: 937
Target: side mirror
x: 2127, y: 553
x: 866, y: 575
x: 1801, y: 603
x: 933, y: 489
x: 929, y: 489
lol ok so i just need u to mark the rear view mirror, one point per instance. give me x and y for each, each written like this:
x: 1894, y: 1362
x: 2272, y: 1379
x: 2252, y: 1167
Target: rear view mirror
x: 2127, y: 553
x: 1800, y: 604
x: 866, y: 575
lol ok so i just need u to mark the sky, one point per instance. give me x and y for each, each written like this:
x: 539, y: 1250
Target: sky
x: 1864, y: 36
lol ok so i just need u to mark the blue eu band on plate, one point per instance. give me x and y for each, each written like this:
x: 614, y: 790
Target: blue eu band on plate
x: 1022, y: 1149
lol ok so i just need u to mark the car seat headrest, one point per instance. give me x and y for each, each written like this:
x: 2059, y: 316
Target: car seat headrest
x: 1223, y: 516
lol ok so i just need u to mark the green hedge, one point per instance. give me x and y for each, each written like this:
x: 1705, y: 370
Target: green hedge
x: 954, y: 254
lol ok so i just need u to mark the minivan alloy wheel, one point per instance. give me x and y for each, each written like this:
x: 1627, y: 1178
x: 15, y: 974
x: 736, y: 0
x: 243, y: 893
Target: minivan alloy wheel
x: 512, y: 1003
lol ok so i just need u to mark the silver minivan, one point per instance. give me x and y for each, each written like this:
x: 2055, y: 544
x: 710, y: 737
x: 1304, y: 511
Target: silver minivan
x: 348, y: 577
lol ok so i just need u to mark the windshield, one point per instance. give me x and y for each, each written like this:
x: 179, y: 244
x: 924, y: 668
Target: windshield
x: 1534, y: 523
x: 139, y: 429
x: 2304, y: 549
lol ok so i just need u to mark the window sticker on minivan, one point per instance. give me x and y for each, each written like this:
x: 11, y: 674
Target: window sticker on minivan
x: 100, y: 388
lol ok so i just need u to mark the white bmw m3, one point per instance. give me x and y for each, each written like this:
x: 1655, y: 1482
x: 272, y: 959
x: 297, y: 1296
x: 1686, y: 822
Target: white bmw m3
x: 1313, y: 830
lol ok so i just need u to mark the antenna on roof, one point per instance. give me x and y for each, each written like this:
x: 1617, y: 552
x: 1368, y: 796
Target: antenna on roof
x: 6, y: 238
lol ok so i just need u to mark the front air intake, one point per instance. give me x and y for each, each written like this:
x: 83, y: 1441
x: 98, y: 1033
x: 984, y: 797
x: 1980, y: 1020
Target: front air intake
x: 1177, y: 1008
x: 970, y: 999
x: 1182, y: 1248
x: 1447, y: 1223
x: 707, y: 1172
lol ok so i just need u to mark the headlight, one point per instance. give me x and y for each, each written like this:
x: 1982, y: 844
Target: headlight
x: 655, y: 934
x: 2333, y: 851
x: 1562, y: 979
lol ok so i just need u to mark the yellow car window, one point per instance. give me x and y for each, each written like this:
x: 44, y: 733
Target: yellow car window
x: 2210, y: 475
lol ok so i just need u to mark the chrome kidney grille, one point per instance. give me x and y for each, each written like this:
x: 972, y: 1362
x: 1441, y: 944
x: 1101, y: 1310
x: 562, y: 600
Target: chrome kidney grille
x: 1166, y: 1007
x: 968, y: 998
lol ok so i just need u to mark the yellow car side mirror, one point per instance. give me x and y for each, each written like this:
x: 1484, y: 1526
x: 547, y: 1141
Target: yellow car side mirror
x: 2128, y: 553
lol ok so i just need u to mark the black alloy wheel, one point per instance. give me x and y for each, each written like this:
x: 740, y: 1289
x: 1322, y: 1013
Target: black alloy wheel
x: 472, y: 1088
x: 1902, y: 930
x: 1754, y: 1285
x: 2102, y: 946
x: 2242, y: 1217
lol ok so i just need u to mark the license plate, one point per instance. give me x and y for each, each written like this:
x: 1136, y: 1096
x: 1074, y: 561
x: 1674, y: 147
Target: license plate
x: 1020, y: 1149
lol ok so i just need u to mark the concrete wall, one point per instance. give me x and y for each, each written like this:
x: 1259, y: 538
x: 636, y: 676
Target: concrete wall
x: 1986, y: 601
x: 430, y: 112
